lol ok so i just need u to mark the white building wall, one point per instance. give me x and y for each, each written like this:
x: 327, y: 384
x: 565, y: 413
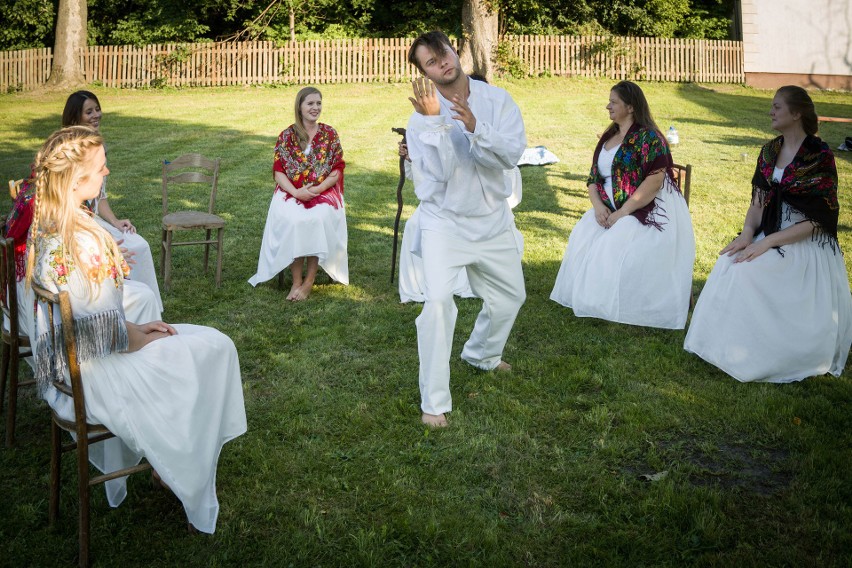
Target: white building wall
x: 803, y: 37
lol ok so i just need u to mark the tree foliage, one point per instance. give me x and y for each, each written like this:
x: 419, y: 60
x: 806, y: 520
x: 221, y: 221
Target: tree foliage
x: 26, y: 23
x: 29, y: 23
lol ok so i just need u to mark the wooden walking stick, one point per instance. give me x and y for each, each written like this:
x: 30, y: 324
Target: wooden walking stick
x: 401, y: 132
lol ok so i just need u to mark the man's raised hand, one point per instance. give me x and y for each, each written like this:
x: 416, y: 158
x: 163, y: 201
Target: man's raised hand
x: 425, y: 100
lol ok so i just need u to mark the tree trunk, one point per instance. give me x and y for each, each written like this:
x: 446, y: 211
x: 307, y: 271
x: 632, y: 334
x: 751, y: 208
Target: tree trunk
x: 292, y: 23
x: 478, y: 43
x: 67, y: 70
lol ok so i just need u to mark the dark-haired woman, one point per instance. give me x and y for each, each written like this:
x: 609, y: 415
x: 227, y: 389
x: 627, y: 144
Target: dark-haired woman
x: 306, y: 224
x: 777, y: 307
x: 629, y: 258
x: 84, y: 109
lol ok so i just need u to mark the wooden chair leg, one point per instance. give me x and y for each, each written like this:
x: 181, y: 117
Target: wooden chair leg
x: 12, y: 410
x: 207, y: 251
x: 4, y: 372
x: 163, y: 252
x: 167, y: 255
x: 83, y: 490
x: 55, y: 469
x: 219, y: 235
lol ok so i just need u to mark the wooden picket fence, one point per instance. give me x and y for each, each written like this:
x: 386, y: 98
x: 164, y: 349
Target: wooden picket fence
x: 378, y: 59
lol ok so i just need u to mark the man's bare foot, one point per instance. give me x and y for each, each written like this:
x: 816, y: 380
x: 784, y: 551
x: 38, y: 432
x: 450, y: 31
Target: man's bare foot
x: 503, y: 367
x: 293, y: 289
x: 434, y: 420
x: 301, y: 293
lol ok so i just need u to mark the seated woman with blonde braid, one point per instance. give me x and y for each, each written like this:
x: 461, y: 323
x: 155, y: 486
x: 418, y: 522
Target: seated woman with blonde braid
x: 171, y: 394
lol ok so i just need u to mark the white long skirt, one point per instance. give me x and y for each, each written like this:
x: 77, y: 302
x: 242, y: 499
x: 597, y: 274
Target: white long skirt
x: 777, y: 318
x: 174, y: 402
x: 631, y: 273
x: 143, y: 268
x: 293, y: 232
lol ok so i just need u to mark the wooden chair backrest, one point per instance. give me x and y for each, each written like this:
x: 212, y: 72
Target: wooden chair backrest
x: 683, y: 175
x: 62, y: 302
x: 185, y: 169
x: 15, y: 187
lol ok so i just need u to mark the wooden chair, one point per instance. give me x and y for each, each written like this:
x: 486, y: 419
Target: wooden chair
x: 183, y: 170
x: 15, y: 187
x: 683, y: 176
x: 15, y: 345
x: 401, y: 132
x: 86, y: 433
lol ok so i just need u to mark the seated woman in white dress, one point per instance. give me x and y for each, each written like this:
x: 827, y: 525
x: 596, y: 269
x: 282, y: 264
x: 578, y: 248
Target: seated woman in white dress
x: 141, y: 304
x: 629, y: 258
x: 171, y: 394
x: 83, y: 108
x: 306, y: 224
x: 777, y: 307
x: 410, y: 263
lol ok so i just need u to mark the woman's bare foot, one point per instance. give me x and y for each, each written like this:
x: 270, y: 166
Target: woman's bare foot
x: 301, y: 293
x: 434, y: 420
x: 504, y: 367
x: 293, y: 289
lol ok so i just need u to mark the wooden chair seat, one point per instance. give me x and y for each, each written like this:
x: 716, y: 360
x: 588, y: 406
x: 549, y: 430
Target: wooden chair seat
x: 187, y: 220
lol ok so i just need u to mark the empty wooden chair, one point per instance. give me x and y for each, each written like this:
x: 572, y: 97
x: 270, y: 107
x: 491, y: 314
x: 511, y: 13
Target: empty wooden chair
x: 191, y: 169
x: 16, y: 346
x: 86, y: 434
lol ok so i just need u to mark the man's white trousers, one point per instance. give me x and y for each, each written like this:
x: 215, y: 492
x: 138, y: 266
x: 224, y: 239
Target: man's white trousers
x: 494, y: 269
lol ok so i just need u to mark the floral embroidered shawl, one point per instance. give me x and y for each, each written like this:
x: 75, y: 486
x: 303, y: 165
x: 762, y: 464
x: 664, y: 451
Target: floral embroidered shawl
x: 642, y: 153
x: 808, y: 186
x: 326, y: 156
x: 99, y: 323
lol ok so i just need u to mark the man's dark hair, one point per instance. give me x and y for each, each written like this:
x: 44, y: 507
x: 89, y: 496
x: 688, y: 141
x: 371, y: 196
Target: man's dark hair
x: 437, y: 42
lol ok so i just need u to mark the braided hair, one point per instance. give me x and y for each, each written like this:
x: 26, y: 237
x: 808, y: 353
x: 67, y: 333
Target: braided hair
x: 61, y: 163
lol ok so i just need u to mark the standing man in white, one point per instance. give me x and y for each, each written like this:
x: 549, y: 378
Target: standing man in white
x: 461, y: 137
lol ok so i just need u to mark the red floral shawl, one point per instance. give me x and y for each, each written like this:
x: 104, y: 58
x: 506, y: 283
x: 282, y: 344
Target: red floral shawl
x: 642, y: 153
x: 18, y: 225
x: 326, y: 156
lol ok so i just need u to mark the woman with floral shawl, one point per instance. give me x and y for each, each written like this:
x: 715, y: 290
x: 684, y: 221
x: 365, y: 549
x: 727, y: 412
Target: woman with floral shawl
x: 629, y: 258
x: 777, y: 307
x: 306, y: 223
x: 170, y: 394
x: 141, y: 304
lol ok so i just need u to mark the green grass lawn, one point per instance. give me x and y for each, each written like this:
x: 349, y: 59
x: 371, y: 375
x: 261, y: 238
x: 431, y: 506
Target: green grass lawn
x: 546, y: 467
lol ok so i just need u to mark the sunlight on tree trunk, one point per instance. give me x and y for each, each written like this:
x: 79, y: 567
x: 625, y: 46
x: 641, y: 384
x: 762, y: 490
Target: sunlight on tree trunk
x: 479, y: 37
x: 292, y: 23
x: 66, y: 69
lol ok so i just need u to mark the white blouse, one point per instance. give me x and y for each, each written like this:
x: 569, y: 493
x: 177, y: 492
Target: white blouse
x: 605, y: 159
